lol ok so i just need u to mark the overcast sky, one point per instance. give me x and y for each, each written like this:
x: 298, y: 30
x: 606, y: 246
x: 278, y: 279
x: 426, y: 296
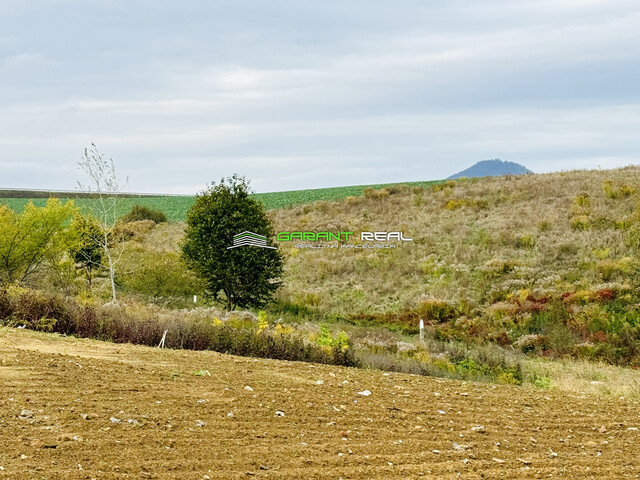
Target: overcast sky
x: 301, y: 94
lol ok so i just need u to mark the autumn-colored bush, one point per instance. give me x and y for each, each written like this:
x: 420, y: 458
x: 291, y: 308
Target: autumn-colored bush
x: 113, y: 322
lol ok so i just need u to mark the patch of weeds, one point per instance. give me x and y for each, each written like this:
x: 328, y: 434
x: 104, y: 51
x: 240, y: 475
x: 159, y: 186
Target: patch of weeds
x: 581, y: 222
x: 582, y: 200
x: 542, y: 382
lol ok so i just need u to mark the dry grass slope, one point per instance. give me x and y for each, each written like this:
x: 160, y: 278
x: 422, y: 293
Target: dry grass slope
x: 475, y: 241
x: 543, y: 263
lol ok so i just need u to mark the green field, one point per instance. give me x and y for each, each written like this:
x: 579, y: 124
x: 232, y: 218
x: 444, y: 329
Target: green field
x: 176, y: 206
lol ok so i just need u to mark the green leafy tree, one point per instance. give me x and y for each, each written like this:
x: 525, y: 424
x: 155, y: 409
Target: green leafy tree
x: 242, y: 277
x: 36, y: 237
x: 158, y: 274
x: 87, y: 249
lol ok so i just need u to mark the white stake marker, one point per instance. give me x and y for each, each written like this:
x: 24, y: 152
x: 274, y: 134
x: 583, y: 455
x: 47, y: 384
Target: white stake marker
x: 164, y: 337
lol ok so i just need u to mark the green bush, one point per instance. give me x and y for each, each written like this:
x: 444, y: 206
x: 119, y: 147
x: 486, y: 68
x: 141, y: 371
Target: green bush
x: 35, y: 238
x: 542, y: 382
x: 437, y: 310
x: 622, y: 191
x: 142, y: 212
x: 525, y: 241
x: 581, y: 222
x: 610, y: 268
x: 561, y: 339
x: 338, y: 345
x: 158, y: 275
x: 582, y: 200
x: 87, y: 250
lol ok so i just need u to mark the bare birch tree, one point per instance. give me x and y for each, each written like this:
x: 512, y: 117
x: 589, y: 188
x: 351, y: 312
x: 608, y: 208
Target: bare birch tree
x: 104, y: 187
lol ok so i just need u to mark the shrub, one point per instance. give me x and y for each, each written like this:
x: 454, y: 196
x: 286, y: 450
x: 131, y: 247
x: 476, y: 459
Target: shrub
x: 86, y: 250
x: 5, y: 305
x: 567, y: 250
x: 36, y: 237
x: 607, y: 186
x: 581, y: 222
x: 113, y: 323
x: 306, y: 298
x: 326, y: 338
x: 433, y: 268
x: 561, y: 339
x: 449, y: 360
x: 544, y: 226
x: 291, y: 310
x: 437, y: 310
x: 158, y: 274
x: 501, y: 311
x: 583, y: 200
x: 623, y: 224
x: 610, y: 268
x: 45, y: 324
x: 377, y: 194
x: 324, y: 335
x: 142, y: 212
x: 530, y: 343
x: 497, y: 267
x: 446, y: 186
x: 508, y: 378
x: 601, y: 253
x: 468, y: 367
x: 622, y: 191
x: 396, y: 189
x: 263, y: 323
x: 525, y: 241
x: 135, y: 230
x: 542, y: 382
x: 457, y: 203
x: 634, y: 273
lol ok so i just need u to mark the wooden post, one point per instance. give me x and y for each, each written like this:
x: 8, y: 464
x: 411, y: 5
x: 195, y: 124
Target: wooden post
x: 195, y: 299
x: 421, y: 330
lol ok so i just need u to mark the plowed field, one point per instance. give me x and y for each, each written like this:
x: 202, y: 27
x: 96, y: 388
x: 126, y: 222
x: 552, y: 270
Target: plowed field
x: 81, y: 409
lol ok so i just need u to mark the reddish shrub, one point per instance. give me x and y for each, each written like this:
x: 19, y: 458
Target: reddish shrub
x: 600, y: 337
x: 502, y: 339
x: 606, y: 294
x: 477, y: 331
x: 543, y: 300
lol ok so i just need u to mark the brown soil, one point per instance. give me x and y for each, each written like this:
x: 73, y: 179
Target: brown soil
x: 409, y: 427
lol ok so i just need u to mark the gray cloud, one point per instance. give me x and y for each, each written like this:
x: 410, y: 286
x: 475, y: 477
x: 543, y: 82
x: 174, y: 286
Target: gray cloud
x: 308, y: 94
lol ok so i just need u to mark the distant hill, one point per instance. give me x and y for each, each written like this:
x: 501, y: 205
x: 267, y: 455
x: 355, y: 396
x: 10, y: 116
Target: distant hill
x: 492, y: 168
